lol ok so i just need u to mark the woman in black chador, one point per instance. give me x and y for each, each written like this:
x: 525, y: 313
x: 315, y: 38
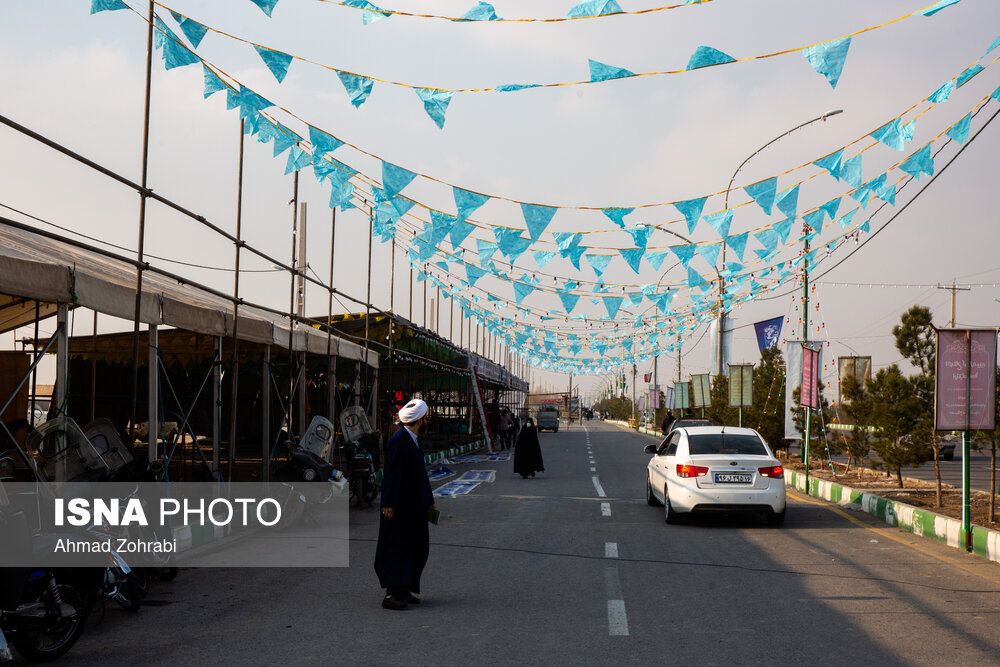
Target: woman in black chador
x: 527, y: 453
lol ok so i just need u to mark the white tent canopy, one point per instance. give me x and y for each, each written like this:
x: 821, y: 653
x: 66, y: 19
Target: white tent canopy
x: 34, y: 267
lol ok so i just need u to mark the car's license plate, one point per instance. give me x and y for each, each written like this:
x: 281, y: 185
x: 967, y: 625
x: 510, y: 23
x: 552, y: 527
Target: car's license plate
x: 733, y: 478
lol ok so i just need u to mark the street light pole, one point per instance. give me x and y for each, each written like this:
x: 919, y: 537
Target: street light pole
x: 721, y: 368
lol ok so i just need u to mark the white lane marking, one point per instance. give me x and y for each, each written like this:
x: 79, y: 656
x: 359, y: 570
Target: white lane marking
x: 593, y: 469
x: 617, y: 618
x: 597, y: 485
x: 605, y: 509
x: 611, y: 550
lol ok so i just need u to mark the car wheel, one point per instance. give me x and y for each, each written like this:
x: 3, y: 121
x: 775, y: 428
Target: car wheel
x: 651, y: 500
x: 776, y: 518
x: 671, y: 516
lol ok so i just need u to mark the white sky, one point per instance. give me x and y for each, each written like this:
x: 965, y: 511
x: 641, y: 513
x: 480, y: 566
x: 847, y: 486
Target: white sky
x: 78, y: 79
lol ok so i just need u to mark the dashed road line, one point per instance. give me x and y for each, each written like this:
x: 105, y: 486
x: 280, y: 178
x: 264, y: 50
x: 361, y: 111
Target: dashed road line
x: 605, y: 509
x: 611, y: 550
x: 597, y: 485
x: 617, y: 618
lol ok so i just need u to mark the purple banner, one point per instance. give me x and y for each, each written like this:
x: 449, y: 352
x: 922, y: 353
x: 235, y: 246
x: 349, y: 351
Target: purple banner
x: 768, y: 332
x: 809, y: 397
x: 965, y: 400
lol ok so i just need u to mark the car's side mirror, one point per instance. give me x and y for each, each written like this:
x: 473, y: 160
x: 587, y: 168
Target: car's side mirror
x: 650, y: 449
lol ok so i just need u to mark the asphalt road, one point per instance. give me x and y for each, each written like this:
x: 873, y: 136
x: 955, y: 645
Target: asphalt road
x: 573, y: 568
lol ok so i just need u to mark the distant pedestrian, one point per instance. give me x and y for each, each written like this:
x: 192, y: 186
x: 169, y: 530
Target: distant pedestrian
x: 527, y: 452
x: 403, y: 536
x: 668, y: 420
x: 506, y: 429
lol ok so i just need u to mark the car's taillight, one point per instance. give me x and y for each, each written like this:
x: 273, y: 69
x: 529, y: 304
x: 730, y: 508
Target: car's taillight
x: 686, y: 470
x: 777, y: 472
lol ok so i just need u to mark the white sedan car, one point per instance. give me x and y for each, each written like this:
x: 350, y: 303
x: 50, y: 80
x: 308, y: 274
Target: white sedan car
x: 715, y: 468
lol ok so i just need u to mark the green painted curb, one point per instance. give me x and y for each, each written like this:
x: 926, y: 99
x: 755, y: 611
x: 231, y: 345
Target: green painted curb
x: 985, y: 542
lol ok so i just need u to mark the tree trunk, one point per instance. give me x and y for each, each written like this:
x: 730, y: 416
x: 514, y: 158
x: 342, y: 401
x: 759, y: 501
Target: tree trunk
x: 899, y: 476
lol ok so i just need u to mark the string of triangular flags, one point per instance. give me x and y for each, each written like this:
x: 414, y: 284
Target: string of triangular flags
x: 483, y: 11
x: 827, y: 58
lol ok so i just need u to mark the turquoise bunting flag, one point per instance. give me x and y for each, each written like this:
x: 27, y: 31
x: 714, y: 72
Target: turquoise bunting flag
x: 213, y: 83
x: 266, y: 6
x: 598, y: 262
x: 537, y: 218
x: 960, y: 130
x: 632, y: 256
x: 706, y: 56
x: 276, y: 61
x: 828, y: 58
x: 943, y: 93
x: 738, y: 243
x: 358, y: 87
x: 481, y: 12
x: 617, y: 215
x: 594, y: 8
x: 467, y: 202
x: 459, y: 232
x: 640, y: 235
x: 831, y: 163
x: 435, y: 103
x: 394, y: 178
x: 788, y: 202
x: 684, y: 253
x: 601, y: 72
x: 193, y: 30
x: 691, y: 210
x: 763, y: 193
x: 919, y: 163
x: 720, y: 221
x: 106, y: 6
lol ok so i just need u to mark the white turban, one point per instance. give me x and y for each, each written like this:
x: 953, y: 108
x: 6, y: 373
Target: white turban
x: 412, y: 411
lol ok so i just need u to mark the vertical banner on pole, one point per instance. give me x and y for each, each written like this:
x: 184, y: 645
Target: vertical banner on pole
x: 682, y: 395
x: 809, y: 394
x: 701, y: 390
x: 740, y: 385
x: 964, y: 400
x: 856, y: 367
x: 668, y: 397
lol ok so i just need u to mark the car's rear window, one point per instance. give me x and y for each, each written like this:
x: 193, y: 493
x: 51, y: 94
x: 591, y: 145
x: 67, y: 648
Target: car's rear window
x: 721, y: 443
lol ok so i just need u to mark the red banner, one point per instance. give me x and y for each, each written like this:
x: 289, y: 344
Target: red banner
x: 965, y: 400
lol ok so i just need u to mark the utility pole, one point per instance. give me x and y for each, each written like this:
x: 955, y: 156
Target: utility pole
x: 805, y: 342
x: 634, y: 419
x: 569, y: 401
x: 953, y: 289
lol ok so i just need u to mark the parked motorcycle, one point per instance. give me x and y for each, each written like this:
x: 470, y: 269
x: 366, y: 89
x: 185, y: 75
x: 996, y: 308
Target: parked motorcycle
x: 361, y: 450
x: 122, y: 585
x: 42, y: 611
x: 309, y: 457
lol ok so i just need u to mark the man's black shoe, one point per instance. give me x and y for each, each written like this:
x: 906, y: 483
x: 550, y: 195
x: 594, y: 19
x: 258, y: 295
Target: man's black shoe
x: 390, y: 602
x: 411, y: 598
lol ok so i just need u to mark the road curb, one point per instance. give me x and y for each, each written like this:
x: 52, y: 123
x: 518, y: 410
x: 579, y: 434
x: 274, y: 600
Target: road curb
x: 985, y: 542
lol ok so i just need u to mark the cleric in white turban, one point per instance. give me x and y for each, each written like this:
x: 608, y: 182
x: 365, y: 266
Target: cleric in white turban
x: 403, y: 536
x: 412, y: 411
